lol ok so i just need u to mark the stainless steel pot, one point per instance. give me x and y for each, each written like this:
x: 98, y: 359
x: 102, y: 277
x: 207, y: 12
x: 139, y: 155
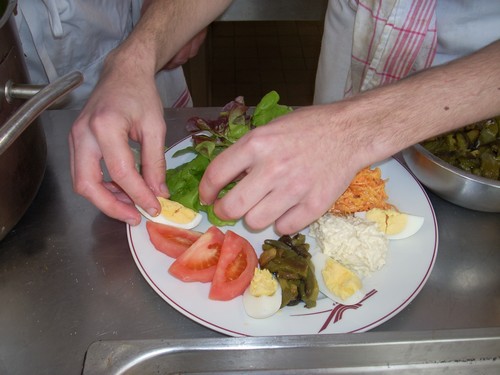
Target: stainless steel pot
x: 23, y: 149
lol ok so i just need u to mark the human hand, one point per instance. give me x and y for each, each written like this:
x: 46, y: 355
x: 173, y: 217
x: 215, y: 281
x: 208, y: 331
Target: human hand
x: 120, y: 109
x: 294, y: 169
x: 297, y: 166
x: 187, y: 52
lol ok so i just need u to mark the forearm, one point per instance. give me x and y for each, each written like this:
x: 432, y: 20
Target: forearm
x: 164, y: 28
x: 431, y: 102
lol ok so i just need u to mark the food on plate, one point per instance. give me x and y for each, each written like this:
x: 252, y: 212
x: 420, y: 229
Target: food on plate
x: 394, y: 224
x: 170, y: 240
x: 337, y: 282
x: 389, y: 221
x: 183, y: 182
x: 288, y: 258
x: 356, y: 243
x: 474, y: 148
x: 262, y: 298
x: 174, y: 214
x: 366, y: 191
x: 199, y: 261
x: 227, y: 260
x: 234, y: 269
x: 210, y: 138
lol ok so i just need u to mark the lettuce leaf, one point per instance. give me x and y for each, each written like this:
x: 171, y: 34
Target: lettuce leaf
x: 183, y: 182
x: 268, y: 109
x: 210, y: 138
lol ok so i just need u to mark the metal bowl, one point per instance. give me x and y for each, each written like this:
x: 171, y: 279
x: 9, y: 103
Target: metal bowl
x: 452, y: 183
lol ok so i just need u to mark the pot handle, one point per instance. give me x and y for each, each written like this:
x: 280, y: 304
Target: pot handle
x: 29, y: 111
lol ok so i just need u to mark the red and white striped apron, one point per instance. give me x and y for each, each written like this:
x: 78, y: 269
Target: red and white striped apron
x: 367, y: 43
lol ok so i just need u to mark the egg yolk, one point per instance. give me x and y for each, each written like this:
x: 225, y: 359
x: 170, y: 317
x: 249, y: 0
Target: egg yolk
x: 175, y: 211
x: 388, y: 221
x: 263, y: 283
x: 339, y: 280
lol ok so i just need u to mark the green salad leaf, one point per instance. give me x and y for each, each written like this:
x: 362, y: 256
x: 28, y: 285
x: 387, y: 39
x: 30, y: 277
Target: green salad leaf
x: 268, y: 109
x: 209, y: 209
x: 210, y: 138
x: 184, y: 180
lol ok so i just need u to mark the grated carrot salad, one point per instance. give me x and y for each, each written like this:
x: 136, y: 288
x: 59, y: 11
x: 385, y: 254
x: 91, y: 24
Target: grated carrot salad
x: 366, y: 191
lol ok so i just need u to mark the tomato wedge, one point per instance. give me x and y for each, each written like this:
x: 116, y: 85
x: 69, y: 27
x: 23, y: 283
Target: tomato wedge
x: 235, y: 268
x: 198, y: 263
x: 170, y: 240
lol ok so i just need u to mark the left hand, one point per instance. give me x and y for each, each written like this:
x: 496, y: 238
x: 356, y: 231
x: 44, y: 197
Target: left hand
x: 123, y: 106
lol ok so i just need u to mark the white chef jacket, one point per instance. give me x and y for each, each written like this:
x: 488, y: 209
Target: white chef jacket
x: 61, y: 36
x: 462, y: 27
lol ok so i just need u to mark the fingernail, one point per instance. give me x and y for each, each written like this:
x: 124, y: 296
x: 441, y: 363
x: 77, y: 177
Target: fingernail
x: 132, y: 222
x: 164, y: 188
x: 152, y: 211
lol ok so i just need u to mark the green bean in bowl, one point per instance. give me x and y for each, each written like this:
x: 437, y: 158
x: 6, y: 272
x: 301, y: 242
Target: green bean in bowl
x: 474, y: 148
x: 462, y: 166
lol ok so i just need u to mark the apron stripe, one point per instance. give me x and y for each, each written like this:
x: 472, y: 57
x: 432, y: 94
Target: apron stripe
x: 183, y: 100
x: 409, y: 43
x: 377, y: 18
x: 391, y: 38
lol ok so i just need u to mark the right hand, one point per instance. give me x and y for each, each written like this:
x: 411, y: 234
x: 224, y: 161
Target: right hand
x: 124, y: 105
x: 290, y: 171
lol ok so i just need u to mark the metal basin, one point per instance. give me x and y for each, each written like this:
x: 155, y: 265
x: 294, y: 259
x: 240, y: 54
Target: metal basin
x: 451, y: 183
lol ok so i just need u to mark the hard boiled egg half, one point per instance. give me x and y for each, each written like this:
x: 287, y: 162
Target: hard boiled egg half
x: 174, y: 214
x: 396, y: 225
x: 337, y: 282
x: 262, y: 298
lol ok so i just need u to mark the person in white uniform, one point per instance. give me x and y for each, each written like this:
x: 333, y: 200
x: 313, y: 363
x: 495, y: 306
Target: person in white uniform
x: 60, y: 36
x: 387, y: 96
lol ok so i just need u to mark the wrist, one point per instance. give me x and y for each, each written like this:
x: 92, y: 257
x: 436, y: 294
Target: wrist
x: 126, y: 59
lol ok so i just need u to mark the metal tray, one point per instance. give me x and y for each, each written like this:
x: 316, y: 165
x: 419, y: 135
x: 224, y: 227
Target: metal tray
x: 426, y: 352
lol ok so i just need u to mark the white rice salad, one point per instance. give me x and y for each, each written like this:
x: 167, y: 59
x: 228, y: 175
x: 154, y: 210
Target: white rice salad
x: 356, y: 243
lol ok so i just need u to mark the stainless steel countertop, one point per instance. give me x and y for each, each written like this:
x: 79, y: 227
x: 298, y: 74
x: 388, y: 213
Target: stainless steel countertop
x: 67, y: 278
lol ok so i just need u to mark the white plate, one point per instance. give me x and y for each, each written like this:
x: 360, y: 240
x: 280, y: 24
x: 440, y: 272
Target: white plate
x: 409, y: 264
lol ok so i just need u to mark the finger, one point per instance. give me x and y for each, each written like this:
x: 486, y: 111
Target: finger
x: 115, y: 204
x: 111, y: 140
x: 269, y: 209
x: 300, y: 216
x: 276, y: 204
x: 120, y: 163
x: 247, y: 193
x: 87, y: 181
x: 153, y: 160
x: 117, y: 192
x: 225, y: 168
